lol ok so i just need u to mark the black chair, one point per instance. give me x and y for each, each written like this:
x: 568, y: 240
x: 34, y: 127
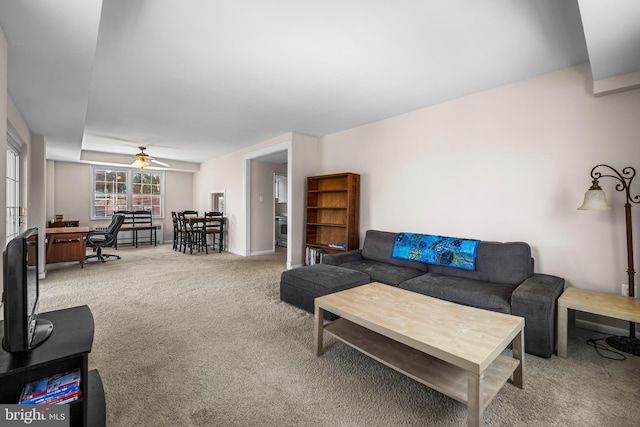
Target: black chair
x: 212, y: 226
x: 98, y: 239
x: 184, y: 230
x: 176, y: 230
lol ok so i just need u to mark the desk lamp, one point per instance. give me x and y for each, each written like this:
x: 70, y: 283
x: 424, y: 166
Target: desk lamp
x: 594, y: 199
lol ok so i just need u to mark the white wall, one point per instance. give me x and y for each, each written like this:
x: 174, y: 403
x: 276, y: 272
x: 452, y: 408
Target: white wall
x: 178, y: 187
x: 51, y: 189
x: 223, y: 173
x: 508, y: 164
x: 4, y: 96
x: 37, y: 195
x: 33, y: 165
x: 303, y: 162
x: 72, y: 194
x: 16, y: 121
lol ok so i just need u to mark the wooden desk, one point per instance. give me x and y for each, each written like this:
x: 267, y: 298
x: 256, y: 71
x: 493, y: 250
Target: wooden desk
x: 66, y: 244
x: 610, y: 305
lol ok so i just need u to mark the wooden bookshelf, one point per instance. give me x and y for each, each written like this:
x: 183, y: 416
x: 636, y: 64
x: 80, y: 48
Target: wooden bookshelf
x: 333, y: 210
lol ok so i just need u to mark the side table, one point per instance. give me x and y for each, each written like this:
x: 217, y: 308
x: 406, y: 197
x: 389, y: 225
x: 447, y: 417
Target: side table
x: 66, y: 349
x: 616, y: 306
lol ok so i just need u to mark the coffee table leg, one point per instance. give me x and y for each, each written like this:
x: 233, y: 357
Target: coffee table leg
x: 517, y: 347
x: 562, y: 330
x: 317, y: 330
x: 475, y: 416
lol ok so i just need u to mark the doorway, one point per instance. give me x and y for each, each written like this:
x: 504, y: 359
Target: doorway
x: 280, y: 187
x: 277, y: 153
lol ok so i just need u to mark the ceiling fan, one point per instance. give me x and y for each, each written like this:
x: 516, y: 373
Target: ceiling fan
x: 143, y: 159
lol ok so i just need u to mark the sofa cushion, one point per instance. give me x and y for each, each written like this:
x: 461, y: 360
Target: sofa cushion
x: 301, y: 286
x: 378, y: 246
x: 471, y: 292
x: 322, y: 279
x: 507, y: 263
x: 383, y: 272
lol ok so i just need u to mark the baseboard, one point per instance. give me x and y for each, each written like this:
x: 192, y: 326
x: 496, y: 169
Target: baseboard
x: 602, y: 328
x: 262, y: 252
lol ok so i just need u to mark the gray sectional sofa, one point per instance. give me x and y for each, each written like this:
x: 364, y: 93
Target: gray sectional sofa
x: 503, y: 281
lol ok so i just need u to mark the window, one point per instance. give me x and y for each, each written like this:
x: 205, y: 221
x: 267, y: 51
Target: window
x: 146, y: 192
x: 121, y: 190
x: 109, y: 192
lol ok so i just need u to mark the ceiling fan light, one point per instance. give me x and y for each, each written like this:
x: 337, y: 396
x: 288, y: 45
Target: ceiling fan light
x: 143, y: 160
x: 140, y: 163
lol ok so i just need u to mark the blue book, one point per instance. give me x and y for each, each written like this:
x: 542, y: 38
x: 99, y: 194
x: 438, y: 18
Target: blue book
x: 40, y: 387
x: 45, y: 398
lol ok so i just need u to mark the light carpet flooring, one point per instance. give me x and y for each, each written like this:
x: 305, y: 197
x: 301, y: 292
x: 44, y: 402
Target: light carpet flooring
x: 204, y: 340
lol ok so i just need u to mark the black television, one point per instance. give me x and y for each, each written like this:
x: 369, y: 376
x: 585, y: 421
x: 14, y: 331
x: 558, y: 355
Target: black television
x: 23, y: 330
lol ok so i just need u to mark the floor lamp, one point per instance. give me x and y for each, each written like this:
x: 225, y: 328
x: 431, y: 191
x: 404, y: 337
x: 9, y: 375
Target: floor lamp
x: 594, y: 199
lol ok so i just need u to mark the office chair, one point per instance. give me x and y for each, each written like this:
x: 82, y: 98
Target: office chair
x: 98, y: 239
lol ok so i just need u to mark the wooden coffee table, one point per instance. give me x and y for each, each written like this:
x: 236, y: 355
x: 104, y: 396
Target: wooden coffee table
x: 451, y: 348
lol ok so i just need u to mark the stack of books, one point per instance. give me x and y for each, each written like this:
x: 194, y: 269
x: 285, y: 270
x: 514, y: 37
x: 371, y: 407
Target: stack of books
x: 53, y: 390
x: 314, y: 255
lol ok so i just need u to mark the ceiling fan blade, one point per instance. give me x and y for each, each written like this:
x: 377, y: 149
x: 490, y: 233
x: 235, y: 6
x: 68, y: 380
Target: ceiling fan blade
x: 160, y: 163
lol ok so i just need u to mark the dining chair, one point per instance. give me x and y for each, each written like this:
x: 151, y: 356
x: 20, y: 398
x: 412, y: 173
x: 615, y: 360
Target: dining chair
x: 196, y: 226
x: 212, y: 226
x: 184, y: 235
x: 176, y: 229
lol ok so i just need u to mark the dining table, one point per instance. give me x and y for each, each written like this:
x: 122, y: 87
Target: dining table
x: 196, y: 222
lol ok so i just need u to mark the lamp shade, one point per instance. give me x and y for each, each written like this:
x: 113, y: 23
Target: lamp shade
x: 595, y: 200
x: 141, y: 163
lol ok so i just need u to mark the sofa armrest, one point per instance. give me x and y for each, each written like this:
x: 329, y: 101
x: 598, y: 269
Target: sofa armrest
x: 342, y: 257
x: 535, y: 299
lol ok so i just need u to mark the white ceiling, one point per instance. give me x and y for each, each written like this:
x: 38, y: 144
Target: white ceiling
x: 195, y: 79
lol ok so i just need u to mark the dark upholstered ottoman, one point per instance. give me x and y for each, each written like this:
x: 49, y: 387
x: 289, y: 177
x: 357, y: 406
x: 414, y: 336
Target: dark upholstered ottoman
x: 301, y: 286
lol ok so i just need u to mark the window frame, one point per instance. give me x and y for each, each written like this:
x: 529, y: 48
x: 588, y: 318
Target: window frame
x: 160, y: 195
x: 129, y: 173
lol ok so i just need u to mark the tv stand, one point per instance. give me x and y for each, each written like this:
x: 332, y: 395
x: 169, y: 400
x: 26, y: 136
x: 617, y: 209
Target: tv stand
x: 42, y: 331
x: 67, y: 348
